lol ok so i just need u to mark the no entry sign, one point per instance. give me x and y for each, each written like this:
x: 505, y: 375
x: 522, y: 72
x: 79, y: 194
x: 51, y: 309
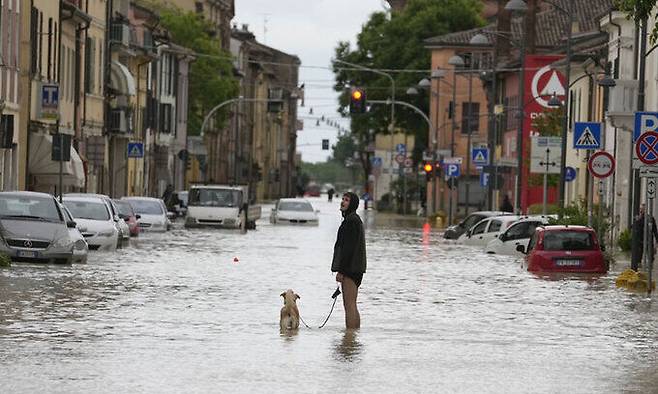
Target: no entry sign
x: 646, y: 148
x: 601, y: 164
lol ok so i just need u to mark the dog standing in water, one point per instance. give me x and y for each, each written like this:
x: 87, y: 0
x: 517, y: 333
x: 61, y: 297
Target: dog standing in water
x: 289, y: 319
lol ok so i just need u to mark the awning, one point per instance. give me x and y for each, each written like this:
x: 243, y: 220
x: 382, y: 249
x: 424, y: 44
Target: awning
x: 46, y: 171
x: 121, y: 79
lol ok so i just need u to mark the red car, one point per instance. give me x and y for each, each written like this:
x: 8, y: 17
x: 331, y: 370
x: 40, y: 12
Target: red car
x: 564, y: 249
x: 127, y: 213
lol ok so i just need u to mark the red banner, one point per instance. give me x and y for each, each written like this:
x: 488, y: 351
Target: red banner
x: 541, y: 82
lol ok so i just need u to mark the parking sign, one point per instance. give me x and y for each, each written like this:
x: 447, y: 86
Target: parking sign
x: 644, y: 121
x: 452, y: 170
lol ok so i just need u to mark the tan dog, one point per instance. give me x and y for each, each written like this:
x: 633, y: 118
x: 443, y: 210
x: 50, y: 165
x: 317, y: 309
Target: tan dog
x: 289, y: 319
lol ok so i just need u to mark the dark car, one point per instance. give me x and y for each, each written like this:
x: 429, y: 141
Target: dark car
x: 455, y: 231
x: 127, y: 213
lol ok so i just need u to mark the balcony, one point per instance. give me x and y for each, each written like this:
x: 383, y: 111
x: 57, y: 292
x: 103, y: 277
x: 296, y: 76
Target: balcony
x: 120, y: 34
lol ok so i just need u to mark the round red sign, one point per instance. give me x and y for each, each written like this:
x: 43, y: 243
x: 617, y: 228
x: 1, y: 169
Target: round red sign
x: 601, y: 164
x: 646, y: 148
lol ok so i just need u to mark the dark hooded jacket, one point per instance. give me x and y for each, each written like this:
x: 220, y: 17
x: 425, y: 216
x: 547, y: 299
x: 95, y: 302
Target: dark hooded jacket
x: 350, y: 248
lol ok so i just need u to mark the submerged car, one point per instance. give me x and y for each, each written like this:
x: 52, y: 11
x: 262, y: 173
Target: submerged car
x: 518, y: 233
x: 564, y: 249
x: 121, y: 225
x: 152, y: 211
x: 294, y: 211
x: 95, y: 222
x: 80, y: 247
x: 34, y: 228
x: 487, y: 229
x: 455, y: 231
x: 127, y: 213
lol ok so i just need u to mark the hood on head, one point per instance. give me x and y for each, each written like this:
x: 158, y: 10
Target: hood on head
x: 354, y: 203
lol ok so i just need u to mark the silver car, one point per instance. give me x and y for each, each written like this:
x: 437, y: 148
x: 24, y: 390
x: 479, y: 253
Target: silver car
x: 34, y: 228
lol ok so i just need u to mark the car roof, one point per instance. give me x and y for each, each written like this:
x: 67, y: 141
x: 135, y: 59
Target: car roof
x: 138, y: 198
x: 569, y: 227
x: 87, y: 195
x: 216, y: 187
x: 26, y: 193
x: 294, y: 199
x: 84, y: 199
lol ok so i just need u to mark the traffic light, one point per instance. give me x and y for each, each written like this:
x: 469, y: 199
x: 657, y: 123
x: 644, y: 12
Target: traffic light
x: 357, y: 101
x: 428, y: 167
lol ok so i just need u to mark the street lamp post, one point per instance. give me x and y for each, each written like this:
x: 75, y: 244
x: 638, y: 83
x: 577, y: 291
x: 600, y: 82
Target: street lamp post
x: 519, y: 6
x: 455, y: 61
x: 565, y: 121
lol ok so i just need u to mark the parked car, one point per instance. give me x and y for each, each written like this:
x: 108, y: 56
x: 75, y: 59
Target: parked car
x: 80, y: 247
x: 455, y: 231
x: 294, y: 211
x: 33, y: 228
x: 121, y: 225
x: 518, y: 233
x: 487, y: 229
x: 127, y: 213
x: 95, y: 222
x: 152, y: 211
x: 564, y: 249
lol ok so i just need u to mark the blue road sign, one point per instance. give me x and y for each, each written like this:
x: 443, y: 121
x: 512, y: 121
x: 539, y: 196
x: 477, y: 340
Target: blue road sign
x: 401, y: 149
x: 135, y: 149
x: 452, y: 170
x: 569, y: 174
x: 484, y: 179
x: 376, y: 161
x: 49, y: 100
x: 644, y: 121
x: 587, y: 135
x: 480, y: 156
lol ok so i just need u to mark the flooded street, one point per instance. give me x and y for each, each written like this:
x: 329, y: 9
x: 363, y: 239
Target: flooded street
x: 197, y: 311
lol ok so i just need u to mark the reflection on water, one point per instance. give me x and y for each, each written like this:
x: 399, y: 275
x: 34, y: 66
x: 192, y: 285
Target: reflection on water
x: 198, y: 311
x: 348, y: 348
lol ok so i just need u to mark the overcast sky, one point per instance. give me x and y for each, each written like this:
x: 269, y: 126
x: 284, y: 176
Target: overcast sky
x: 309, y: 29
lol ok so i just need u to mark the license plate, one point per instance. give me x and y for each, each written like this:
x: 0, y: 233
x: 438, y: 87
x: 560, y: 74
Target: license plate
x: 568, y: 262
x: 27, y: 253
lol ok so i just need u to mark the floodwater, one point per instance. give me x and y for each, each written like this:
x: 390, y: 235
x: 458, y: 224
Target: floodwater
x: 197, y: 311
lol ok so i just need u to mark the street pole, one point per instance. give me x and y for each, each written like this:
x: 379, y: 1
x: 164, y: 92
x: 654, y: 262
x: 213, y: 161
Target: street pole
x: 435, y: 182
x: 468, y: 140
x: 452, y: 140
x: 520, y: 119
x: 565, y: 121
x: 548, y: 152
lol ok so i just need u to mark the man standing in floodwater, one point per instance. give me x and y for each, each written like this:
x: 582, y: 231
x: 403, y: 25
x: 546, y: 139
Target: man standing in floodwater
x: 349, y: 261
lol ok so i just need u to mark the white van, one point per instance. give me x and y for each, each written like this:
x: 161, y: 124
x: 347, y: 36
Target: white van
x: 220, y: 206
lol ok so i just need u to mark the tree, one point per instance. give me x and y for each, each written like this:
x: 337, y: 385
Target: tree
x: 639, y: 10
x: 344, y: 148
x: 211, y: 79
x: 397, y: 42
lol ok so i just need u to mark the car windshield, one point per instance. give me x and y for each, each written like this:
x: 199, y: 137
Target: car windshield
x: 215, y: 198
x: 300, y: 206
x: 146, y: 207
x: 568, y: 240
x: 471, y: 220
x: 88, y: 210
x: 29, y: 207
x: 125, y: 208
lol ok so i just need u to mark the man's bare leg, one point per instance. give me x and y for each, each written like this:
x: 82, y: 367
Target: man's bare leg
x: 350, y: 292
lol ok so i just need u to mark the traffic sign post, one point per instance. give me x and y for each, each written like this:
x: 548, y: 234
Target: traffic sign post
x: 480, y: 156
x: 569, y: 174
x: 135, y: 150
x: 546, y: 163
x: 646, y: 148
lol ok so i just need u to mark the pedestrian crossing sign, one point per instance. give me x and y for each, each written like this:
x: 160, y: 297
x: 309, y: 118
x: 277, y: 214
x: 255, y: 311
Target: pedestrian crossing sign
x: 135, y: 149
x: 480, y: 156
x: 587, y: 135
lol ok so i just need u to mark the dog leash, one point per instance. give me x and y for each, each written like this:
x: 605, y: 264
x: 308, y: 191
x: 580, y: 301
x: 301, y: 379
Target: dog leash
x: 335, y: 297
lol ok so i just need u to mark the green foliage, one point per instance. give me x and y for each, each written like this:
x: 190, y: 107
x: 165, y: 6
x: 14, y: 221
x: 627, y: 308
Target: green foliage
x: 211, y: 79
x: 344, y: 148
x: 398, y: 43
x: 416, y: 188
x: 329, y: 172
x: 536, y: 209
x: 624, y: 240
x: 639, y: 10
x: 5, y: 260
x: 576, y: 214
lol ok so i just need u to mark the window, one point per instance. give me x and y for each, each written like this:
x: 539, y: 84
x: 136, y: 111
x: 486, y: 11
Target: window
x: 479, y: 229
x: 199, y: 7
x: 473, y: 126
x: 495, y: 226
x: 518, y: 231
x: 531, y: 244
x: 90, y: 69
x: 49, y: 74
x: 165, y: 118
x: 568, y: 240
